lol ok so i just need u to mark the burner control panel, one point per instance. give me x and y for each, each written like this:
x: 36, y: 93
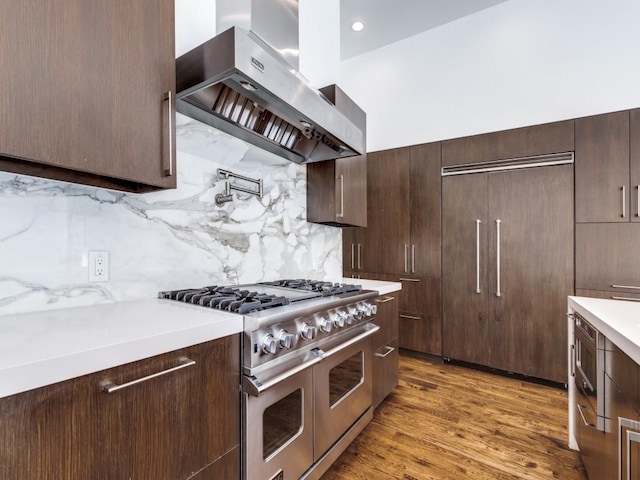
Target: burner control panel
x: 283, y: 337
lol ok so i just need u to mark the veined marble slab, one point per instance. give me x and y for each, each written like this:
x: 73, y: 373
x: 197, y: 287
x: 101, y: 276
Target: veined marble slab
x: 162, y: 240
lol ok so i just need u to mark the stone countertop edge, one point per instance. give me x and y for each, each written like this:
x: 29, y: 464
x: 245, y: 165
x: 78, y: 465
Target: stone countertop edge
x: 618, y: 320
x: 382, y: 287
x: 43, y: 348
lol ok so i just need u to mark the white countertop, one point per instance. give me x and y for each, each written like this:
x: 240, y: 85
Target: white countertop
x: 618, y: 320
x: 41, y: 348
x: 382, y: 287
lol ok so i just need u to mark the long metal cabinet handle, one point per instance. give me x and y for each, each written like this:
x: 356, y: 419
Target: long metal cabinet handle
x: 624, y: 202
x: 341, y: 214
x: 406, y: 259
x: 628, y: 299
x: 498, y: 293
x: 353, y: 256
x: 402, y: 279
x: 111, y: 387
x: 359, y: 256
x: 580, y: 407
x: 413, y: 259
x: 637, y: 200
x: 168, y: 97
x: 573, y: 360
x: 626, y: 286
x: 409, y: 317
x: 385, y: 354
x: 384, y: 300
x: 478, y: 222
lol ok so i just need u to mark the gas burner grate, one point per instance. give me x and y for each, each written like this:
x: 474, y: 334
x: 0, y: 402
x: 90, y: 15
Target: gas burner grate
x: 226, y: 298
x: 324, y: 288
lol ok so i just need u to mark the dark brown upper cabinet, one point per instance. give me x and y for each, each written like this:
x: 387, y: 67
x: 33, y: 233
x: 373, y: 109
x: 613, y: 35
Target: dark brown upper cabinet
x: 337, y: 189
x: 556, y: 137
x: 607, y: 259
x: 88, y: 92
x: 362, y: 247
x: 603, y: 188
x: 410, y: 189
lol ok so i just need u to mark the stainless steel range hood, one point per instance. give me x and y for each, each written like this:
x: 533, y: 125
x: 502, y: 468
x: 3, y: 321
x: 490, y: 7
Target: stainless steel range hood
x: 238, y: 83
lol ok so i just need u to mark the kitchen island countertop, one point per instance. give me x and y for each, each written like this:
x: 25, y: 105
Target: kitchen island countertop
x: 42, y: 348
x: 618, y: 320
x: 382, y: 287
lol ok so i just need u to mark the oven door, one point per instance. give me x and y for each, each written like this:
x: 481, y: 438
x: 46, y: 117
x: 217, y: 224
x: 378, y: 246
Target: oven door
x: 278, y: 428
x: 343, y: 382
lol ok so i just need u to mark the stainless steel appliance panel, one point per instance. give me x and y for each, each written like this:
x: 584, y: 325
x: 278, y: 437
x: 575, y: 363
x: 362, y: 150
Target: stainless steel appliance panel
x: 278, y: 429
x: 343, y: 383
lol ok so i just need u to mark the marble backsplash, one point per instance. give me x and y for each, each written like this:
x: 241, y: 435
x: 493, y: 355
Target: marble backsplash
x: 164, y: 240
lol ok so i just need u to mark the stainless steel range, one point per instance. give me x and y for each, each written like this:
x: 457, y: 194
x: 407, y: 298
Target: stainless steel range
x: 307, y: 357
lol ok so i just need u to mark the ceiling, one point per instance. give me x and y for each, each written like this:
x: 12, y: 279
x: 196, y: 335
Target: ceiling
x: 387, y: 21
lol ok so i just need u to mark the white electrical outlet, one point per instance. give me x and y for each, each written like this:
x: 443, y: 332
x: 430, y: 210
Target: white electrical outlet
x: 98, y: 266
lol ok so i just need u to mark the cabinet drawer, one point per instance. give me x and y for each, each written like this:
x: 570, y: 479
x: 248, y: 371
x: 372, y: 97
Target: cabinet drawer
x: 385, y: 374
x: 606, y: 258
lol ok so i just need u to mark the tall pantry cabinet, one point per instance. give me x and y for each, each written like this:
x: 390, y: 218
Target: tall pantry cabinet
x: 608, y: 205
x: 402, y: 240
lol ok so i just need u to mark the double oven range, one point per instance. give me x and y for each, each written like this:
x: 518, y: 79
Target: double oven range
x: 307, y: 378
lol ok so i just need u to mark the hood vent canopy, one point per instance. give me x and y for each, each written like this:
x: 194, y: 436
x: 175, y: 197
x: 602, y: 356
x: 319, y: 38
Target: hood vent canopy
x: 238, y: 83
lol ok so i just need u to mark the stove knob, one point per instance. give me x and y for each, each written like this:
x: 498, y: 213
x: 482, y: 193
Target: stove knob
x: 286, y: 339
x: 270, y: 344
x: 374, y: 309
x: 359, y: 312
x: 350, y: 318
x: 367, y: 309
x: 308, y: 332
x: 340, y: 319
x: 326, y: 324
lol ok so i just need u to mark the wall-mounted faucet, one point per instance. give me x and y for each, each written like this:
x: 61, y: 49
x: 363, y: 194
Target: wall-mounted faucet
x: 222, y: 198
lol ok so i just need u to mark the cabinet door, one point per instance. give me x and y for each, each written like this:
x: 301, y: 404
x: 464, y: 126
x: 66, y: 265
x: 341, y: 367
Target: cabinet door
x: 518, y: 142
x: 602, y: 168
x: 464, y: 268
x: 395, y: 169
x: 420, y: 314
x: 46, y: 433
x: 606, y: 259
x: 634, y: 153
x: 351, y: 191
x: 83, y: 88
x: 369, y: 247
x: 425, y: 211
x: 385, y: 348
x: 148, y: 429
x: 75, y: 430
x: 530, y: 269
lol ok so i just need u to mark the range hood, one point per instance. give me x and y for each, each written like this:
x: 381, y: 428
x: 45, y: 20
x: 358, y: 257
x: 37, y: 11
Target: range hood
x: 238, y: 83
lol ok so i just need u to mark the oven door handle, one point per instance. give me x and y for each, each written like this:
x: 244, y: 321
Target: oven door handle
x: 371, y: 329
x: 255, y: 388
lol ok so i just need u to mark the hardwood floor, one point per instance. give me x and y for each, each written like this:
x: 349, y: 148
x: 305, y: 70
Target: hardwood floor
x: 450, y: 422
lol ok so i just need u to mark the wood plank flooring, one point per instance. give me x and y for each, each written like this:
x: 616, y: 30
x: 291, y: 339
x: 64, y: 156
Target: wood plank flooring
x: 449, y: 422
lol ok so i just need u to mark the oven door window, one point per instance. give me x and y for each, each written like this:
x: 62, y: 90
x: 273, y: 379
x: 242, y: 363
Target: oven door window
x: 281, y: 422
x: 345, y: 377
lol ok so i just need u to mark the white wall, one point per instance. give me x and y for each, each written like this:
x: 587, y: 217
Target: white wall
x: 522, y: 62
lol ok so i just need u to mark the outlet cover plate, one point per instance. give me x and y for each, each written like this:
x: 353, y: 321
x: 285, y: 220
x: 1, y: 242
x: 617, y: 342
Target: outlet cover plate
x: 98, y: 266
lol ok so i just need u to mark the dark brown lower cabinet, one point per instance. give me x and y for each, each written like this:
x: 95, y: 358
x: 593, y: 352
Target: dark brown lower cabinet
x: 168, y: 427
x: 420, y: 314
x: 385, y: 344
x: 606, y: 258
x: 227, y: 466
x: 508, y: 268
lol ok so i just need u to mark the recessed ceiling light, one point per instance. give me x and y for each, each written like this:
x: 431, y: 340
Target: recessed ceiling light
x: 357, y: 26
